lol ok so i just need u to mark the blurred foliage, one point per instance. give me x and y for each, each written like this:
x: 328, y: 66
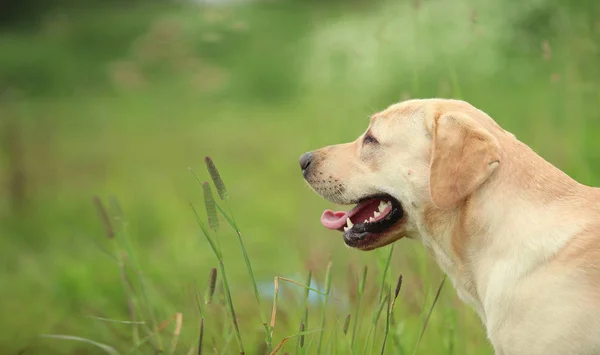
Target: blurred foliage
x: 120, y: 98
x: 26, y: 14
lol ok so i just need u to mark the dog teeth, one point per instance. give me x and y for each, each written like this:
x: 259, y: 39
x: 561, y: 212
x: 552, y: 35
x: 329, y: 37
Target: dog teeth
x: 384, y: 205
x: 349, y: 225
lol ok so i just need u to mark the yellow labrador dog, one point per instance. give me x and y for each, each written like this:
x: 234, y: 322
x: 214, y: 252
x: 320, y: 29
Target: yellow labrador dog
x: 519, y: 238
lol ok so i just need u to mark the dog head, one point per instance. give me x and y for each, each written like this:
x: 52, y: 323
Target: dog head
x: 430, y: 153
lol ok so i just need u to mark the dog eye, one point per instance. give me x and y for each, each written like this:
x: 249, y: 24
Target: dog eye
x: 369, y: 139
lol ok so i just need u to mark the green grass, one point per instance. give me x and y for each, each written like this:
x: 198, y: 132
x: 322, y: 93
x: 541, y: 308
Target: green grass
x: 121, y: 103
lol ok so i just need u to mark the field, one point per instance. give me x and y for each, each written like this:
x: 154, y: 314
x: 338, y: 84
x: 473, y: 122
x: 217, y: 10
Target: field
x: 113, y: 105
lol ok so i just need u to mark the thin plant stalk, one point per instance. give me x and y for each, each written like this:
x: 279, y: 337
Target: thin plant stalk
x: 286, y: 339
x: 391, y: 316
x: 116, y: 237
x: 276, y: 297
x: 326, y: 298
x: 387, y: 323
x: 384, y: 286
x: 224, y: 281
x: 201, y: 336
x: 274, y: 310
x: 396, y: 336
x: 227, y: 342
x: 450, y: 321
x: 373, y: 326
x: 125, y: 252
x: 232, y: 223
x: 229, y: 302
x: 304, y: 317
x: 223, y: 195
x: 385, y: 272
x: 361, y: 288
x: 198, y: 302
x: 158, y: 329
x: 437, y: 295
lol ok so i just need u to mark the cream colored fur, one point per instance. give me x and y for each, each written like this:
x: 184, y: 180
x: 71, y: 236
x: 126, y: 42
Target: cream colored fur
x: 519, y: 239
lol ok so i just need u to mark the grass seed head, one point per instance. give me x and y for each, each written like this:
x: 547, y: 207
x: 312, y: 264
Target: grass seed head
x: 211, y: 207
x: 212, y: 282
x: 302, y: 335
x: 216, y: 178
x: 108, y: 228
x: 347, y: 324
x: 398, y: 287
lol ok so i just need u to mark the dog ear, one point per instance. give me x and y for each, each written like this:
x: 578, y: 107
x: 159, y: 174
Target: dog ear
x: 464, y: 155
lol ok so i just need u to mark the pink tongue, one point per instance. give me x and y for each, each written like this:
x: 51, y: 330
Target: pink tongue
x: 334, y: 220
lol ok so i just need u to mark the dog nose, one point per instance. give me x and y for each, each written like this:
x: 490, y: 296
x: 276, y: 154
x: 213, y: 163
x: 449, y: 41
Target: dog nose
x: 305, y: 160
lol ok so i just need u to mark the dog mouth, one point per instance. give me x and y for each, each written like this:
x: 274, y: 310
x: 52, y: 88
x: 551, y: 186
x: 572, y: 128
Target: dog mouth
x: 368, y: 222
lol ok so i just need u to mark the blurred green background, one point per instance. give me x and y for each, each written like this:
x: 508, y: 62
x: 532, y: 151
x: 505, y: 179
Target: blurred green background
x: 119, y: 98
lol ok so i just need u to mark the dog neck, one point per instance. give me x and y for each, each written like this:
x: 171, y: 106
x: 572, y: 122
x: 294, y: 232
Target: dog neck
x: 516, y: 220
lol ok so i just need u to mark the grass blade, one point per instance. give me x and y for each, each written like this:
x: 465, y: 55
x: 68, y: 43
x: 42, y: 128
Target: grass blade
x: 361, y: 288
x: 437, y: 295
x: 198, y: 303
x: 286, y: 339
x: 388, y: 261
x: 201, y: 336
x: 387, y: 324
x: 451, y: 332
x: 154, y: 333
x: 374, y: 320
x: 304, y: 317
x: 324, y: 313
x: 304, y: 286
x: 124, y: 256
x: 384, y: 286
x: 229, y: 303
x: 108, y: 349
x: 115, y: 320
x: 276, y: 296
